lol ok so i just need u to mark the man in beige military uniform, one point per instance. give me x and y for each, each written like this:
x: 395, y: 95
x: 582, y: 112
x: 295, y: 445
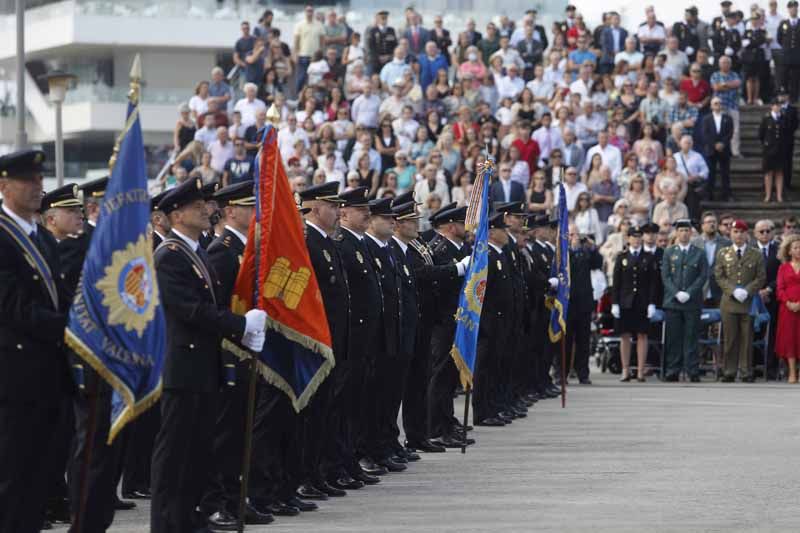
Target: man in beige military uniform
x: 740, y: 272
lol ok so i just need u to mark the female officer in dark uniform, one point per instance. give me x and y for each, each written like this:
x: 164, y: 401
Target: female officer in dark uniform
x: 770, y: 133
x: 633, y: 300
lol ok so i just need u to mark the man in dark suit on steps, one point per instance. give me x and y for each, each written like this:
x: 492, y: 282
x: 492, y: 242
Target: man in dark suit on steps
x: 717, y: 134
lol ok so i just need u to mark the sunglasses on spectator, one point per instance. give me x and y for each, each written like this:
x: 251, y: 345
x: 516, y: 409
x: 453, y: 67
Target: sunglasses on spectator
x: 790, y: 226
x: 763, y: 231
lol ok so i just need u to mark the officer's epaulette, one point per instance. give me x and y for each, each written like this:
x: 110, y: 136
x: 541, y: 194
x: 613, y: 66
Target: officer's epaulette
x: 226, y: 241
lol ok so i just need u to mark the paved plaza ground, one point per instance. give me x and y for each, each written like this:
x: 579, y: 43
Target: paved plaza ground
x: 619, y: 458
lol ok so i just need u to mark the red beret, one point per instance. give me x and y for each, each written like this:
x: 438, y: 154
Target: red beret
x: 740, y: 225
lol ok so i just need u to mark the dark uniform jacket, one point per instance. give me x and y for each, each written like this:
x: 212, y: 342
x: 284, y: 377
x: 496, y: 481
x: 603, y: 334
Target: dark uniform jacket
x: 366, y: 299
x: 634, y: 280
x: 35, y: 368
x: 446, y: 253
x: 384, y: 265
x: 754, y: 51
x: 722, y: 38
x: 770, y: 133
x: 542, y: 258
x: 789, y: 39
x: 498, y: 302
x: 408, y: 299
x: 687, y: 272
x: 581, y: 263
x: 381, y: 43
x: 732, y: 272
x: 197, y: 321
x: 332, y: 282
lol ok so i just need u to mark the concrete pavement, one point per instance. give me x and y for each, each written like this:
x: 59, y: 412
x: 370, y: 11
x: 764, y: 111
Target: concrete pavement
x: 620, y: 458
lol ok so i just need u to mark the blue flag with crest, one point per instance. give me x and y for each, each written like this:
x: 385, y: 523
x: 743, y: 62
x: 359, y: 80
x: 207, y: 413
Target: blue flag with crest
x: 116, y: 322
x: 470, y: 302
x: 559, y: 303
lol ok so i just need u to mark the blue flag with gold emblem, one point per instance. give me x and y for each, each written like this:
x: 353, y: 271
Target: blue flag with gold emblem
x: 470, y: 302
x: 559, y: 302
x: 116, y: 322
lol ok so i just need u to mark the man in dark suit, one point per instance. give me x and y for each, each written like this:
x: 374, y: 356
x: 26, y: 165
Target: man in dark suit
x: 506, y: 190
x: 448, y: 248
x: 583, y: 258
x: 34, y: 384
x: 365, y: 341
x: 717, y: 130
x: 764, y: 232
x: 612, y: 42
x: 789, y: 121
x: 416, y: 36
x: 789, y: 39
x: 531, y: 50
x: 473, y: 36
x: 197, y: 321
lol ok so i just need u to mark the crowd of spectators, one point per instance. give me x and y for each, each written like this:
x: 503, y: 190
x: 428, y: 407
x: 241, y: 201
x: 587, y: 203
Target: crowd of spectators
x: 638, y: 124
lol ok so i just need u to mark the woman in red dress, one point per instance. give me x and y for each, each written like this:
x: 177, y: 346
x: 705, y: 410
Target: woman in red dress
x: 787, y: 340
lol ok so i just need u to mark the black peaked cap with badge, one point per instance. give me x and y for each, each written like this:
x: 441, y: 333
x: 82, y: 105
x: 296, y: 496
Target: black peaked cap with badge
x: 458, y: 214
x: 66, y: 196
x: 155, y: 200
x: 187, y: 192
x: 327, y: 192
x: 404, y: 198
x: 634, y: 231
x: 356, y: 197
x: 538, y: 221
x: 241, y: 194
x: 381, y: 207
x: 209, y: 189
x: 21, y: 164
x: 406, y: 211
x: 510, y: 208
x: 650, y: 227
x: 95, y: 188
x: 442, y: 209
x: 497, y: 221
x: 683, y: 223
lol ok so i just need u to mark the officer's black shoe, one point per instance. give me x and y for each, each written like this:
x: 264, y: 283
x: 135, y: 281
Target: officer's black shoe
x: 505, y: 416
x: 123, y: 505
x: 448, y: 441
x: 365, y: 478
x: 461, y: 438
x: 694, y: 379
x: 47, y: 525
x: 585, y: 381
x: 304, y: 506
x: 521, y: 413
x: 491, y: 422
x: 370, y: 467
x: 425, y: 446
x: 333, y: 492
x: 397, y: 458
x: 749, y: 379
x: 255, y: 516
x: 143, y: 494
x: 411, y: 456
x: 307, y: 491
x: 671, y: 378
x: 222, y: 521
x: 726, y: 379
x: 346, y: 483
x: 392, y: 466
x: 282, y: 509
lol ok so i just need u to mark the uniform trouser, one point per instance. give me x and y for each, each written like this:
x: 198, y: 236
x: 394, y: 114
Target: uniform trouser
x: 359, y: 409
x: 737, y: 344
x: 275, y: 472
x: 682, y: 328
x: 444, y: 381
x: 59, y: 454
x: 395, y: 386
x: 791, y: 81
x: 415, y: 396
x: 788, y: 164
x: 578, y: 335
x: 719, y: 163
x: 313, y: 435
x: 104, y: 463
x: 181, y: 456
x: 485, y: 363
x: 139, y: 451
x: 337, y: 457
x: 26, y: 431
x: 222, y: 493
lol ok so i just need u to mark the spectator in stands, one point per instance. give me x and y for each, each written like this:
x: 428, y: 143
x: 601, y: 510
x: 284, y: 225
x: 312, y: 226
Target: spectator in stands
x: 787, y: 344
x: 639, y: 200
x: 221, y: 149
x: 693, y: 167
x: 684, y: 114
x: 381, y: 42
x: 249, y: 105
x: 572, y: 188
x: 505, y: 189
x: 633, y: 57
x: 309, y: 35
x: 198, y: 104
x: 548, y: 137
x: 394, y: 69
x: 605, y: 194
x: 612, y: 157
x: 572, y: 152
x: 244, y: 45
x: 583, y: 83
x: 612, y: 42
x: 431, y: 185
x: 289, y: 135
x: 208, y: 133
x: 185, y: 129
x: 335, y: 33
x: 718, y: 132
x: 239, y: 167
x: 510, y: 85
x: 416, y: 35
x: 651, y: 33
x: 589, y: 125
x: 528, y: 148
x: 670, y: 209
x: 654, y: 111
x: 727, y: 85
x: 670, y: 171
x: 364, y: 111
x: 540, y: 197
x: 772, y: 135
x: 586, y: 219
x: 530, y: 50
x: 218, y: 90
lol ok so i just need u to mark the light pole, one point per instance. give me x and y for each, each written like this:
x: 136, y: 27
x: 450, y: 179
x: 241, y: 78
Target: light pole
x: 22, y: 137
x: 58, y: 82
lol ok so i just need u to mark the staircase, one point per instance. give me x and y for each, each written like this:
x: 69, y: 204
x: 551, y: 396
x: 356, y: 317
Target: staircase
x: 747, y: 179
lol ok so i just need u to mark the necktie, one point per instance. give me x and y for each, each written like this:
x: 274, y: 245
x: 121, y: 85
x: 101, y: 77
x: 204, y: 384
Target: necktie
x: 34, y: 235
x: 636, y: 254
x: 203, y: 255
x: 764, y: 251
x: 739, y: 253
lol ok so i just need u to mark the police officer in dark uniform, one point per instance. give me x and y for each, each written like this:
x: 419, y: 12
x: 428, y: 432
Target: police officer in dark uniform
x: 427, y: 276
x: 207, y: 236
x: 33, y: 314
x: 221, y: 498
x: 366, y: 327
x: 197, y: 321
x: 719, y: 21
x: 789, y: 39
x: 448, y: 249
x: 543, y: 253
x: 633, y: 295
x: 381, y: 42
x: 726, y: 40
x: 428, y: 235
x: 789, y: 121
x: 688, y: 33
x: 495, y: 327
x: 158, y: 220
x: 93, y: 193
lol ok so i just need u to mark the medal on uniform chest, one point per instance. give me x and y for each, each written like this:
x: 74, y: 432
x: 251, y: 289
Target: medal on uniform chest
x: 378, y: 262
x: 359, y: 257
x: 499, y: 265
x: 405, y: 269
x: 240, y: 259
x: 624, y: 262
x: 327, y: 255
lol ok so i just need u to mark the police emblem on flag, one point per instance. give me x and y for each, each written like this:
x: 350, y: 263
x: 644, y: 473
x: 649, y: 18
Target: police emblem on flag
x: 129, y: 289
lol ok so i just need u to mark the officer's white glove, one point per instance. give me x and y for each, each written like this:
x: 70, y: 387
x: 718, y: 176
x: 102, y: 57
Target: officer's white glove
x: 553, y: 283
x: 740, y: 294
x: 682, y: 296
x: 615, y: 310
x: 254, y: 341
x: 255, y: 321
x: 651, y: 310
x: 689, y: 50
x: 728, y: 51
x: 745, y: 43
x: 463, y: 265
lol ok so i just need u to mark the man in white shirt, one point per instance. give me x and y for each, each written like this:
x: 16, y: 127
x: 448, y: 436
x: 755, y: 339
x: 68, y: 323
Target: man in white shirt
x: 509, y: 55
x: 583, y: 85
x: 289, y: 135
x: 208, y: 133
x: 395, y: 68
x: 221, y: 150
x: 651, y: 34
x: 548, y: 137
x: 633, y: 56
x: 572, y: 188
x: 393, y: 106
x: 511, y: 85
x: 689, y: 163
x: 589, y: 125
x: 366, y: 107
x: 676, y: 59
x: 612, y: 157
x: 249, y: 106
x: 772, y: 20
x: 364, y: 142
